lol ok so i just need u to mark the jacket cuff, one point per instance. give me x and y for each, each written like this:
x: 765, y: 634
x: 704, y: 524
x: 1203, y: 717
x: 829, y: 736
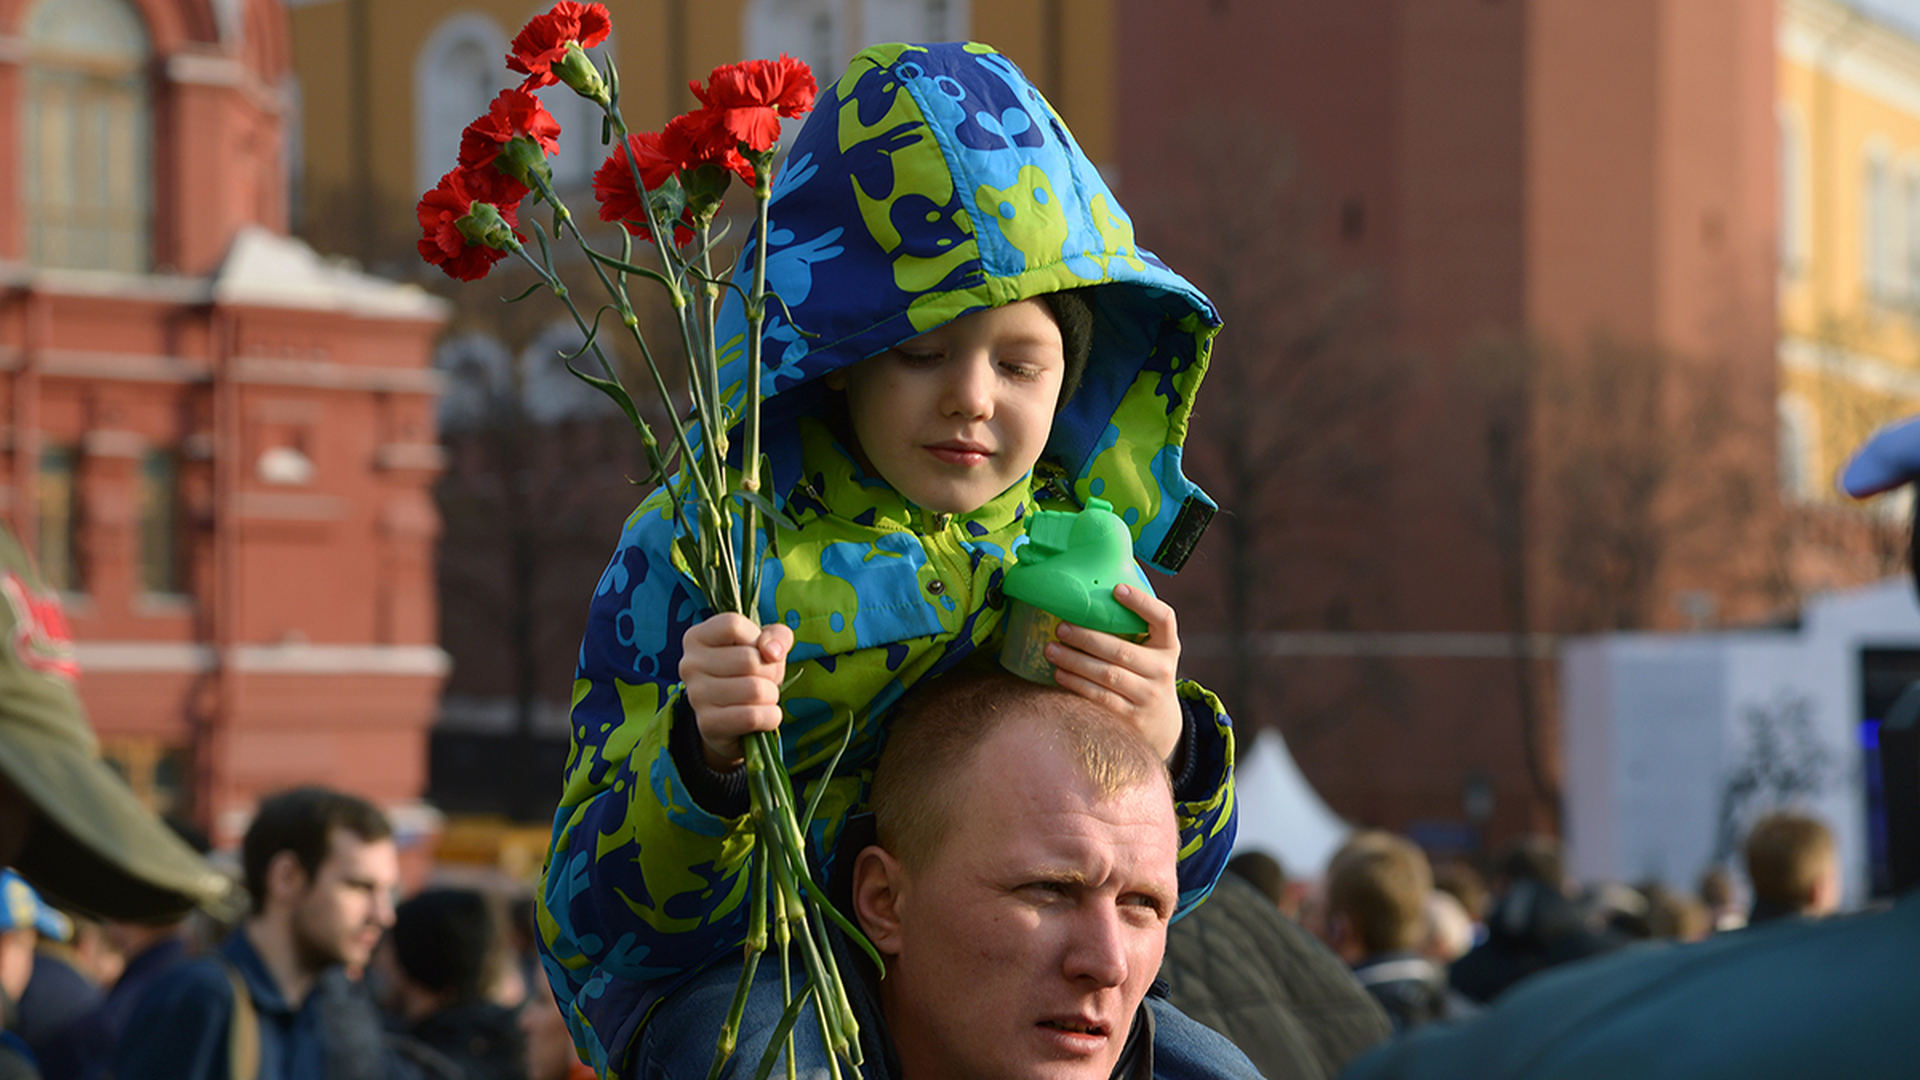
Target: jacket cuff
x: 722, y: 794
x: 1184, y: 766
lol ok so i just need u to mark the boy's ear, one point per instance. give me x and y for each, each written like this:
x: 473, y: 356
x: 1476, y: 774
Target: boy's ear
x: 878, y: 896
x: 835, y: 379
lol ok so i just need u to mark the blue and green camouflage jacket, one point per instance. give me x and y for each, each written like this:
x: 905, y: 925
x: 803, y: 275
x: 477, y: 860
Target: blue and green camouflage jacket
x: 930, y: 182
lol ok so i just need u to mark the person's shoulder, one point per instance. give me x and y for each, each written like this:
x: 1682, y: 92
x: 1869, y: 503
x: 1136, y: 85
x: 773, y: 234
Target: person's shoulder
x: 198, y: 985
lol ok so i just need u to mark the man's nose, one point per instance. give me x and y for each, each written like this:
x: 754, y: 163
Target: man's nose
x: 1098, y: 950
x: 969, y: 389
x: 383, y: 907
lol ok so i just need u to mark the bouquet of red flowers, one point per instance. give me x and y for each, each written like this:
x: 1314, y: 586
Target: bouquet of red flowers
x: 664, y: 188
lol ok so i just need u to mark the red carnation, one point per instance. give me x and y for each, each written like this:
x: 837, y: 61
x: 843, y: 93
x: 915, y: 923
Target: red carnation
x: 696, y: 138
x: 514, y: 137
x: 613, y: 184
x: 460, y: 237
x: 543, y: 41
x: 747, y: 99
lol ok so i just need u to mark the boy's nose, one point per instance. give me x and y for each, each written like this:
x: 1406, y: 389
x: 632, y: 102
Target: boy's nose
x: 970, y: 388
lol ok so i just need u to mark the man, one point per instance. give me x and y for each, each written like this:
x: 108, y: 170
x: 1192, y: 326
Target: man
x: 321, y: 868
x: 1376, y: 921
x: 437, y: 964
x: 1018, y: 887
x: 1794, y: 868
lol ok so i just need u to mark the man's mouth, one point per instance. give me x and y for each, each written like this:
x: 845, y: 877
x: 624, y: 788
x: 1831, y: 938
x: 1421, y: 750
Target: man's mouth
x: 1074, y: 1026
x: 959, y: 452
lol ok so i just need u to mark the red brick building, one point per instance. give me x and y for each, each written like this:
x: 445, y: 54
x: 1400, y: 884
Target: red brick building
x: 218, y: 444
x: 1542, y: 197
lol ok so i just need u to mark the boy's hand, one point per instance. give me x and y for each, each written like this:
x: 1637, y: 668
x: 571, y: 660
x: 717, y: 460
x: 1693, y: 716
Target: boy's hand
x: 1132, y: 680
x: 732, y: 670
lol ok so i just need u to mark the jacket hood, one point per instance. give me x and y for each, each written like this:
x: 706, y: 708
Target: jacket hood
x: 933, y: 181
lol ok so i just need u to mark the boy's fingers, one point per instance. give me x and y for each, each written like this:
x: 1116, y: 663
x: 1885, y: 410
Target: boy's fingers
x: 1162, y: 627
x: 727, y: 628
x: 1113, y: 680
x: 727, y: 662
x: 741, y: 719
x: 1107, y: 648
x: 723, y: 693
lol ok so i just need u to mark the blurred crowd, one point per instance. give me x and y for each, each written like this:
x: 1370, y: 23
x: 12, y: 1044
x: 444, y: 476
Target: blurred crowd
x: 443, y: 985
x: 1306, y: 975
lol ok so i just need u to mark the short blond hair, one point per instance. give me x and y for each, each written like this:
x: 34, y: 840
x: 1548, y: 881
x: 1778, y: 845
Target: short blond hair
x: 1380, y: 882
x: 933, y: 736
x: 1787, y: 853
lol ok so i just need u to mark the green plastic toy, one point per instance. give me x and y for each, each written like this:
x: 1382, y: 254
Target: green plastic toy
x: 1066, y: 572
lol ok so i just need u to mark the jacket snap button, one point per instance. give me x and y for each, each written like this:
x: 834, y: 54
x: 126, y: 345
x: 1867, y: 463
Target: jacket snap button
x: 936, y: 586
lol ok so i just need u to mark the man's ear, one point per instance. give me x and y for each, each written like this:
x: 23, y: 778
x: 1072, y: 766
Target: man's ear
x: 878, y: 896
x: 285, y: 876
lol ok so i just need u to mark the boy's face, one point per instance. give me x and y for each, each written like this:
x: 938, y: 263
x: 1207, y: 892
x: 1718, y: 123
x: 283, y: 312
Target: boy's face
x: 955, y: 416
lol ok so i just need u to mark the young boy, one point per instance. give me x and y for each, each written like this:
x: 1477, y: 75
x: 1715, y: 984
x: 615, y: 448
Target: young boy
x: 972, y: 336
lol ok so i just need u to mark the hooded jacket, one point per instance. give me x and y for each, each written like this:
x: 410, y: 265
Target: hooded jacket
x: 929, y: 183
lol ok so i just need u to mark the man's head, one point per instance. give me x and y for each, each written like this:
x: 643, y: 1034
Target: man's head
x: 1377, y: 887
x: 1793, y: 867
x: 1022, y: 882
x: 321, y: 865
x: 957, y: 415
x: 443, y: 946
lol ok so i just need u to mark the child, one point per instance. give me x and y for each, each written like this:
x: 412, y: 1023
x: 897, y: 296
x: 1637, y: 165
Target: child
x: 973, y: 336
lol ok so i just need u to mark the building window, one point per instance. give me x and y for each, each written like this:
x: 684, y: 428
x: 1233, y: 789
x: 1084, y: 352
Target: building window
x: 87, y: 154
x: 1877, y: 243
x: 1793, y: 197
x: 807, y: 30
x: 1795, y: 445
x: 162, y: 544
x: 1910, y: 233
x: 59, y: 548
x: 912, y: 20
x: 455, y: 78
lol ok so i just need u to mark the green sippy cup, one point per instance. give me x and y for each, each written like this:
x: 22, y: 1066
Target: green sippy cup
x: 1066, y: 572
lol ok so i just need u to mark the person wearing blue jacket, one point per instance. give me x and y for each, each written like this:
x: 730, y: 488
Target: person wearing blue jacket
x: 967, y: 333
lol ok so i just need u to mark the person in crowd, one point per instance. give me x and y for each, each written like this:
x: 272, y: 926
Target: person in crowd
x: 1449, y: 929
x: 63, y: 989
x: 1793, y: 867
x: 1266, y: 873
x: 148, y: 950
x: 983, y: 343
x: 1376, y: 920
x: 68, y: 823
x: 439, y: 964
x: 1725, y: 909
x: 1242, y: 967
x: 274, y: 1001
x: 1533, y: 925
x: 1457, y: 878
x: 25, y: 921
x: 549, y: 1045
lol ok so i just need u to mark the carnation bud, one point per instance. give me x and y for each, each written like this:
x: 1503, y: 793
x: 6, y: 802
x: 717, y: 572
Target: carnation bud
x: 577, y: 71
x: 482, y: 224
x: 522, y: 159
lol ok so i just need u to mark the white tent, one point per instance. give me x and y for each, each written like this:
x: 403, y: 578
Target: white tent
x: 1280, y: 813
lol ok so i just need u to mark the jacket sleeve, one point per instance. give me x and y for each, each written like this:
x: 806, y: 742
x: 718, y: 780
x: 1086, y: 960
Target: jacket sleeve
x: 1203, y: 795
x: 643, y: 884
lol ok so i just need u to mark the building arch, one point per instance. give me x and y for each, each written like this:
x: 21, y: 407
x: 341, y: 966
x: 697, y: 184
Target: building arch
x: 456, y: 74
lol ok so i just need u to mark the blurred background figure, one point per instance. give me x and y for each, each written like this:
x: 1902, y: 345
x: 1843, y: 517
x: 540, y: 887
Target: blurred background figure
x: 550, y: 1053
x: 1532, y: 926
x: 1244, y: 969
x: 24, y: 920
x: 1377, y: 891
x: 143, y: 952
x: 440, y: 965
x: 1793, y: 867
x: 1266, y: 873
x: 1458, y: 879
x: 1449, y: 929
x: 1721, y: 894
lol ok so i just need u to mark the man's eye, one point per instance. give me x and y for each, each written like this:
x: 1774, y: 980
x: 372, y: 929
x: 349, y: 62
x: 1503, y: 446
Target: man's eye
x: 1145, y: 903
